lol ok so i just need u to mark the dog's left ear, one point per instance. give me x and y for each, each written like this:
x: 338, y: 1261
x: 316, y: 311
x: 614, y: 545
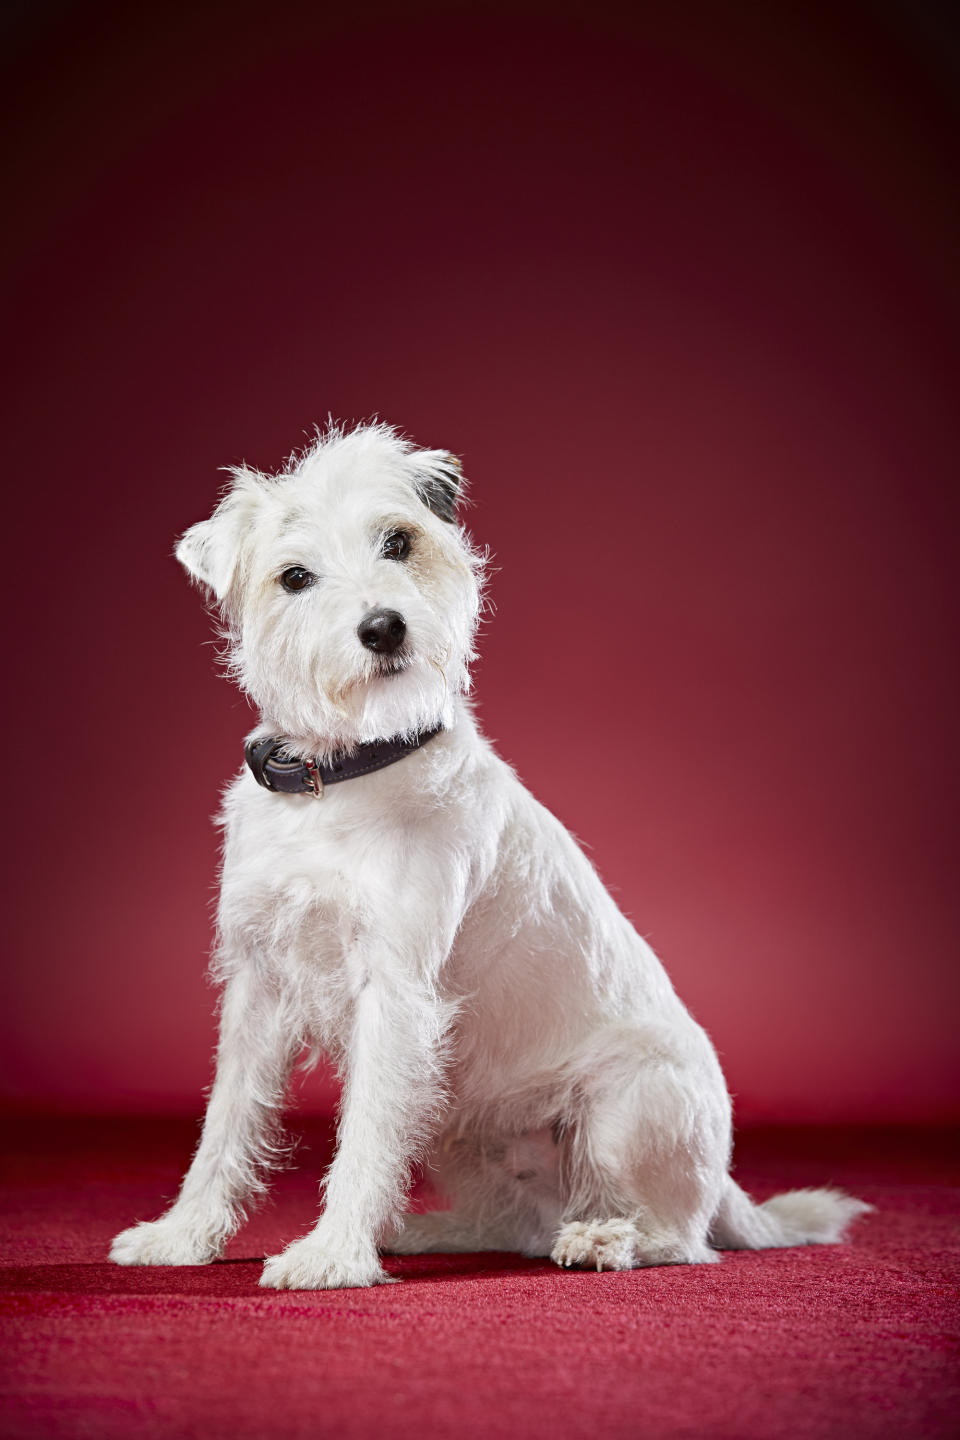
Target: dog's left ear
x: 438, y: 481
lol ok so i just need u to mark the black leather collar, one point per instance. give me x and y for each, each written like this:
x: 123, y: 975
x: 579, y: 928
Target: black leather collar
x: 275, y: 770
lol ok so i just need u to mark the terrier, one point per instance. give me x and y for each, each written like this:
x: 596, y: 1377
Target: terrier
x: 393, y: 896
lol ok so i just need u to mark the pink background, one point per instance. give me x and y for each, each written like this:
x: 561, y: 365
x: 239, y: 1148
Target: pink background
x: 683, y: 295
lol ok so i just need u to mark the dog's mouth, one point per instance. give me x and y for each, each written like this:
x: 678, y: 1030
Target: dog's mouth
x: 390, y: 665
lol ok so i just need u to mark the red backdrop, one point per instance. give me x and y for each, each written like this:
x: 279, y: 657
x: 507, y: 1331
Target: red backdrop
x: 681, y: 292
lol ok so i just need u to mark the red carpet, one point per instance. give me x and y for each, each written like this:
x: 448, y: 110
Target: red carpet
x: 856, y: 1340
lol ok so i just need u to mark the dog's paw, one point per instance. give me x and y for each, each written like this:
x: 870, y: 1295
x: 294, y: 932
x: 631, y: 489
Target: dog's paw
x: 624, y: 1245
x: 599, y: 1244
x: 161, y: 1242
x: 314, y: 1264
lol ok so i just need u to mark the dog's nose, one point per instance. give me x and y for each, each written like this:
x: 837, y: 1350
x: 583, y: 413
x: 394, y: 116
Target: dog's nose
x: 382, y: 631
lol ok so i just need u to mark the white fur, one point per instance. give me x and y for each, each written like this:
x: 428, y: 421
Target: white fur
x: 435, y: 930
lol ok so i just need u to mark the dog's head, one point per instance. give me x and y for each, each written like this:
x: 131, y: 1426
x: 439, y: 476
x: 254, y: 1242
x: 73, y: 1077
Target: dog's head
x: 349, y: 592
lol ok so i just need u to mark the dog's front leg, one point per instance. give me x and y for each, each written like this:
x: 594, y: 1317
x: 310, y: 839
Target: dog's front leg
x: 392, y: 1097
x: 259, y: 1037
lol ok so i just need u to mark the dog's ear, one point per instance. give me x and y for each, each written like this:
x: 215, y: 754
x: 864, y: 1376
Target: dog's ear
x: 438, y: 481
x: 210, y: 550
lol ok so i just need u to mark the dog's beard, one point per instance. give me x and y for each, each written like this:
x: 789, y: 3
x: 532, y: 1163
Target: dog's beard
x: 377, y: 698
x: 346, y: 693
x: 415, y: 696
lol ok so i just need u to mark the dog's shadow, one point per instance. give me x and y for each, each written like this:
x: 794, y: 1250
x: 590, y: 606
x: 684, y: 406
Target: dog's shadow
x: 239, y: 1276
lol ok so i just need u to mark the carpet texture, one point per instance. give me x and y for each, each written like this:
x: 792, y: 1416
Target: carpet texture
x: 856, y: 1340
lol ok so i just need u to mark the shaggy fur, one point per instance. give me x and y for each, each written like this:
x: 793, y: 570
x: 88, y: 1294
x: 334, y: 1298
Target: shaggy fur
x: 434, y: 929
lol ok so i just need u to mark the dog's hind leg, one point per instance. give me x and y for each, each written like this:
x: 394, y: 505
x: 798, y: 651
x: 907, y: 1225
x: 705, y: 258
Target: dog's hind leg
x: 648, y: 1150
x: 258, y: 1042
x: 505, y: 1192
x: 444, y: 1231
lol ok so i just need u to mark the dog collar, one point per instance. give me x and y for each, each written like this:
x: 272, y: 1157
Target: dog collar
x: 275, y: 770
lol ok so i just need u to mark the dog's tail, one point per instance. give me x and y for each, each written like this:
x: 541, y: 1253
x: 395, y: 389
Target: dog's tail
x: 800, y: 1217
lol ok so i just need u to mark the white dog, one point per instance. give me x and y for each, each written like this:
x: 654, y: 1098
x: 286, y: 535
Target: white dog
x: 393, y: 896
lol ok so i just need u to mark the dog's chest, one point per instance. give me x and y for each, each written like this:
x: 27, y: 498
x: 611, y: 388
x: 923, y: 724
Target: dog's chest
x: 296, y: 885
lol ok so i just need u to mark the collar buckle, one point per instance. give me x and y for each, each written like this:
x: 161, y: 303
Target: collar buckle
x: 315, y: 778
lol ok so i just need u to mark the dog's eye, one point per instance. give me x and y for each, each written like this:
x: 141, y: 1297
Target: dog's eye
x: 297, y: 578
x: 396, y: 546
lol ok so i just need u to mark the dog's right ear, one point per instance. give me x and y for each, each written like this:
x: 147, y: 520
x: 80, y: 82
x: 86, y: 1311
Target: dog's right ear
x: 209, y: 551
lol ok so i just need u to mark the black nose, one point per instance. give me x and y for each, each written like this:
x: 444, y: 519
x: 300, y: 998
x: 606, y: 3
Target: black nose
x: 382, y: 631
